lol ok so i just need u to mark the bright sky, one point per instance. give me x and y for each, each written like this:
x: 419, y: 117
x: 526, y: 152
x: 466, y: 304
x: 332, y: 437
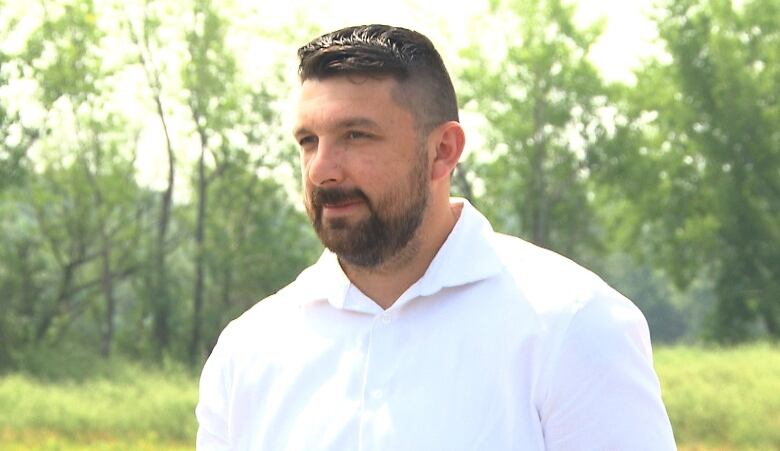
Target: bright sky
x: 626, y: 38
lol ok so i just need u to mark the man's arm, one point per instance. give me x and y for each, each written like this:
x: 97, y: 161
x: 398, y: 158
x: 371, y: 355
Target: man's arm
x: 603, y: 393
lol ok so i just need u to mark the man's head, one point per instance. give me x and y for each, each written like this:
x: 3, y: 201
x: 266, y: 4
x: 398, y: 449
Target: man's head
x: 378, y: 132
x: 424, y: 86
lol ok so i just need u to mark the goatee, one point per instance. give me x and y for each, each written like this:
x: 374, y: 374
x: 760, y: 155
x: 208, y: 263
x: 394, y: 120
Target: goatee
x: 389, y: 228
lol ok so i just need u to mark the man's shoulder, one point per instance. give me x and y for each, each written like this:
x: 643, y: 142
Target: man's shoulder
x: 569, y: 302
x: 554, y: 285
x: 534, y: 266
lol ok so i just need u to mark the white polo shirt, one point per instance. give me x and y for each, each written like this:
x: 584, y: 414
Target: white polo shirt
x: 501, y: 345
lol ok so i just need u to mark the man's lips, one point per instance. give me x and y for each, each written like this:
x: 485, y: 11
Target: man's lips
x: 340, y: 206
x: 337, y: 202
x: 342, y: 203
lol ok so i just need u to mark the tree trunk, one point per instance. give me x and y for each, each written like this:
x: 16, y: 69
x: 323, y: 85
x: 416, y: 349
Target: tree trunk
x: 227, y: 285
x: 47, y: 318
x: 770, y: 322
x: 162, y: 301
x: 197, y: 306
x: 538, y: 199
x: 463, y: 183
x: 107, y: 286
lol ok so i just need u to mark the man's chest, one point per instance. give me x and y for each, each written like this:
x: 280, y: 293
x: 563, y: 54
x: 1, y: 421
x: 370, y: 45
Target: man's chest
x: 389, y: 383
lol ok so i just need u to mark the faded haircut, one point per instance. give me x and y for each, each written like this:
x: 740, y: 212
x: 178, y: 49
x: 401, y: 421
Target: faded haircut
x: 424, y: 86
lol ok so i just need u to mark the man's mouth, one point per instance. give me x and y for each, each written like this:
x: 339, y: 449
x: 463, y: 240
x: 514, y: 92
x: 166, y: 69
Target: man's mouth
x: 342, y: 204
x: 340, y: 208
x: 336, y: 200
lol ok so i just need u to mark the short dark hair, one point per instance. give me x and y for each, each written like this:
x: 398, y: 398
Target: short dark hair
x: 424, y: 86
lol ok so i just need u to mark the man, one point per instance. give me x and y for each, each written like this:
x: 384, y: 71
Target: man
x: 420, y: 328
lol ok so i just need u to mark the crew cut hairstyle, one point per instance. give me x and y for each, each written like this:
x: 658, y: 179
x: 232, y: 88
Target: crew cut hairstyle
x: 424, y: 86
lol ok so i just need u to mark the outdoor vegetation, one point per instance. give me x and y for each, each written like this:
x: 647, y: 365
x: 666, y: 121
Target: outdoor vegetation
x: 717, y: 398
x: 149, y: 195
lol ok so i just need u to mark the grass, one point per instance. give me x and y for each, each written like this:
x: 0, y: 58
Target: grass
x: 42, y: 440
x: 717, y: 399
x: 132, y: 409
x: 722, y: 398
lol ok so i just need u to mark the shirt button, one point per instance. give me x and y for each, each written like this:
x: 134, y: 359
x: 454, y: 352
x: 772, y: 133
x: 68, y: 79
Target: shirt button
x: 386, y: 318
x: 376, y: 394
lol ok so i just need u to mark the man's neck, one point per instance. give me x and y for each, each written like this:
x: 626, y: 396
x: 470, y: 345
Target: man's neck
x: 386, y: 283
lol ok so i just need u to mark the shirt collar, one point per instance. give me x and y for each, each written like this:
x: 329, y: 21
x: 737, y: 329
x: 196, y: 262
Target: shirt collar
x: 466, y: 256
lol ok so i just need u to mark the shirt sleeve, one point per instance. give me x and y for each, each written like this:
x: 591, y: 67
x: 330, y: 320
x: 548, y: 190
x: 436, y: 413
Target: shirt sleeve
x: 603, y: 393
x: 213, y: 401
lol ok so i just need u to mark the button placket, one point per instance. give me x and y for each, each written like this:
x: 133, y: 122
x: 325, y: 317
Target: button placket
x: 379, y: 367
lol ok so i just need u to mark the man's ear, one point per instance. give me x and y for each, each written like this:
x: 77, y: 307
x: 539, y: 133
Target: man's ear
x: 449, y: 141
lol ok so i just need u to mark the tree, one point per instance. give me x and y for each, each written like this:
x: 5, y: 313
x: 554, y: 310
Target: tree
x: 541, y: 101
x: 15, y: 137
x: 694, y: 161
x: 239, y: 138
x: 145, y: 40
x: 258, y: 241
x: 96, y: 260
x: 92, y: 180
x: 209, y: 77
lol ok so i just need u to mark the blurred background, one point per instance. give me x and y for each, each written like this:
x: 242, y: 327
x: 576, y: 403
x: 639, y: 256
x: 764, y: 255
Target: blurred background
x: 149, y: 189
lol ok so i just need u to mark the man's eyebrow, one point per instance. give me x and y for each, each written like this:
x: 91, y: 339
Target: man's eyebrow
x: 357, y: 122
x: 301, y: 131
x: 344, y: 123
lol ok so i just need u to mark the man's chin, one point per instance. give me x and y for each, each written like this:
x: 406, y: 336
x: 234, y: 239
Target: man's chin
x: 336, y: 237
x: 348, y: 254
x: 336, y: 225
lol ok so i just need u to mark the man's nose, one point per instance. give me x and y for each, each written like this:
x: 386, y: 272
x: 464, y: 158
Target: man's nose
x: 325, y: 165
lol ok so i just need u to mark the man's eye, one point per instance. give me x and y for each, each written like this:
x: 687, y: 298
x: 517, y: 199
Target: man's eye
x: 357, y: 134
x: 306, y: 141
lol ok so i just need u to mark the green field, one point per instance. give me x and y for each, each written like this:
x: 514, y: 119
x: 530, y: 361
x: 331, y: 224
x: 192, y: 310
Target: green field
x: 724, y: 399
x: 718, y: 399
x: 132, y: 409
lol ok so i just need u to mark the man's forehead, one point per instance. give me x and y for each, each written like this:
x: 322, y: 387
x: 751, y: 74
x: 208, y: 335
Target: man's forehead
x: 347, y: 86
x: 342, y: 101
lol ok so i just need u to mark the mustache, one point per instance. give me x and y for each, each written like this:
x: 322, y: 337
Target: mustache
x: 322, y: 196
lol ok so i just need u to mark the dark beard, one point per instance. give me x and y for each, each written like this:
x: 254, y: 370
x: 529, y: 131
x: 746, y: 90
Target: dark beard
x: 389, y: 228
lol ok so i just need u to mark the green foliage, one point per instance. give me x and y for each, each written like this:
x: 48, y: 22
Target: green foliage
x: 669, y: 322
x: 63, y: 52
x: 130, y: 402
x: 239, y: 138
x: 84, y: 250
x: 725, y: 398
x: 209, y: 74
x: 541, y: 101
x: 691, y: 173
x: 254, y: 226
x: 15, y: 138
x: 48, y: 441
